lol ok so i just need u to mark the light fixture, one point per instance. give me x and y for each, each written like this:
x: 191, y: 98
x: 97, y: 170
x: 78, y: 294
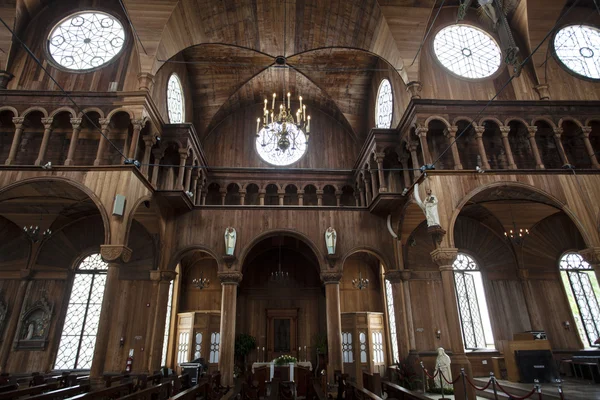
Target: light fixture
x: 281, y: 127
x: 279, y: 275
x: 515, y: 235
x: 202, y: 282
x: 360, y: 283
x: 33, y: 233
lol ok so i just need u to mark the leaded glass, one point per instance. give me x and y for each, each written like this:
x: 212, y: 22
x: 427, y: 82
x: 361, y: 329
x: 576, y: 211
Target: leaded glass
x: 467, y: 51
x: 78, y: 338
x: 347, y: 351
x: 167, y: 325
x: 362, y: 337
x: 582, y: 288
x: 578, y: 48
x: 389, y: 295
x: 267, y: 144
x: 385, y: 105
x: 377, y: 347
x: 175, y: 102
x: 182, y: 347
x: 86, y: 40
x: 198, y: 345
x: 215, y: 340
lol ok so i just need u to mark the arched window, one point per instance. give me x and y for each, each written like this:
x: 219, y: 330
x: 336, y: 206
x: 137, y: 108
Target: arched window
x: 385, y: 105
x: 175, y: 101
x: 167, y: 326
x: 582, y: 290
x: 389, y: 296
x: 472, y: 307
x: 78, y: 338
x: 578, y: 49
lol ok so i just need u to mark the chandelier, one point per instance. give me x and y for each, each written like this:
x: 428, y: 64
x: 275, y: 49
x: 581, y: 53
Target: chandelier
x: 515, y: 235
x: 33, y: 233
x: 279, y: 275
x: 282, y: 129
x: 201, y: 283
x: 360, y: 283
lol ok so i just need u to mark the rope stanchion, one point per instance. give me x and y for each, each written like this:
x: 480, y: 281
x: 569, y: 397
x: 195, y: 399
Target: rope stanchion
x: 536, y: 389
x: 427, y: 373
x: 478, y: 388
x: 462, y: 373
x: 447, y: 381
x: 493, y: 381
x: 560, y: 391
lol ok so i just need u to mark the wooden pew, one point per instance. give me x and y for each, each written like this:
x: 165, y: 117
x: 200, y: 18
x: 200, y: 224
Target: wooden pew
x: 314, y: 390
x: 372, y: 382
x: 398, y: 392
x: 201, y: 389
x: 60, y: 394
x: 353, y: 392
x: 110, y: 379
x: 181, y: 383
x: 28, y: 391
x: 113, y: 392
x: 159, y: 392
x: 143, y: 380
x: 9, y: 387
x: 74, y: 380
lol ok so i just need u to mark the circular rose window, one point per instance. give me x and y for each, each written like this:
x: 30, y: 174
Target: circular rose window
x: 467, y: 51
x: 86, y: 40
x: 578, y: 49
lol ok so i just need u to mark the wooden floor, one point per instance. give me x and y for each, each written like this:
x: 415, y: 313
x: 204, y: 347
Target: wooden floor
x: 573, y: 389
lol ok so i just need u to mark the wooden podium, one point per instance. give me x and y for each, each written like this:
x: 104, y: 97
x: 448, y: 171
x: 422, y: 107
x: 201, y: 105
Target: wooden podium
x: 524, y: 341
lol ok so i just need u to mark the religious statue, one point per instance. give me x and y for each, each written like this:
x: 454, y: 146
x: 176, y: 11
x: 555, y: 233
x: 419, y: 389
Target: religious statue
x: 490, y: 11
x: 29, y: 334
x: 429, y: 207
x: 443, y: 363
x: 330, y: 240
x: 230, y: 237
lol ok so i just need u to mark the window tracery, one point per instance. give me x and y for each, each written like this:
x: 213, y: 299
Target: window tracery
x: 175, y: 100
x: 578, y: 48
x: 467, y: 51
x: 86, y: 40
x: 385, y: 105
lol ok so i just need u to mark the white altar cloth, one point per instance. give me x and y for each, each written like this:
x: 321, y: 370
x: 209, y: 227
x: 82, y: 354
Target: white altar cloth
x: 271, y: 364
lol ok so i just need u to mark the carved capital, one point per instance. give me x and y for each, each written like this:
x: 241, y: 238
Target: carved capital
x: 379, y: 157
x: 505, y: 130
x: 331, y: 277
x: 104, y: 122
x: 532, y: 130
x: 479, y: 131
x: 162, y: 276
x: 523, y: 274
x: 592, y: 256
x: 397, y: 275
x: 76, y: 123
x: 451, y: 132
x: 230, y: 278
x: 586, y: 130
x: 183, y: 153
x: 543, y: 91
x: 138, y: 124
x: 421, y: 131
x: 115, y: 253
x: 47, y: 122
x: 558, y: 132
x: 414, y: 88
x: 18, y: 121
x: 145, y: 81
x: 412, y: 145
x: 444, y: 256
x: 149, y: 140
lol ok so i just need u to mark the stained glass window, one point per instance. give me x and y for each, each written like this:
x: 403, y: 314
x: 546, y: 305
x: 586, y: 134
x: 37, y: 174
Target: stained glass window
x: 86, y: 40
x: 167, y: 326
x: 467, y: 51
x: 362, y: 337
x: 215, y: 341
x: 182, y: 347
x: 582, y: 290
x: 198, y: 345
x: 175, y: 101
x: 347, y: 353
x: 385, y: 105
x: 472, y: 307
x: 78, y: 337
x: 268, y: 144
x: 578, y: 48
x: 389, y: 295
x: 377, y: 347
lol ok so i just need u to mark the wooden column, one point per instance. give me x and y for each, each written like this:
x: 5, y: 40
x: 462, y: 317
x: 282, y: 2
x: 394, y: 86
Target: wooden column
x: 479, y: 135
x: 421, y: 133
x: 368, y: 197
x: 229, y: 286
x: 412, y: 147
x: 319, y: 197
x: 559, y: 146
x: 13, y: 319
x: 138, y: 125
x: 374, y: 188
x: 281, y: 195
x: 592, y: 256
x: 444, y: 258
x: 183, y: 155
x: 505, y: 130
x: 405, y: 167
x: 76, y: 125
x: 300, y: 197
x: 103, y: 142
x: 18, y: 121
x: 383, y: 187
x: 204, y: 197
x: 261, y: 196
x: 585, y: 133
x: 395, y: 277
x: 450, y: 134
x: 188, y: 180
x: 362, y: 196
x: 223, y: 193
x: 242, y: 197
x: 149, y: 141
x: 47, y: 122
x: 534, y: 148
x: 334, y: 322
x: 114, y: 255
x: 158, y: 153
x: 535, y: 317
x: 338, y: 197
x: 157, y: 335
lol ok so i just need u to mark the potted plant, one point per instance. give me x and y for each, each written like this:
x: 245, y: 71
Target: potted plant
x: 320, y: 341
x: 244, y: 344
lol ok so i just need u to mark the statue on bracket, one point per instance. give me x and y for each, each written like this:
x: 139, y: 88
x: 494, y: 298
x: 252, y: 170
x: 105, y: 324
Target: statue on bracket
x: 429, y: 207
x: 330, y: 240
x: 230, y: 238
x: 34, y: 326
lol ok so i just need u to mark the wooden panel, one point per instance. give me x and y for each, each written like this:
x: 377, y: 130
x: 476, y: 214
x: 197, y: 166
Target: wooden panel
x: 354, y: 300
x: 507, y: 308
x: 427, y: 302
x: 194, y: 299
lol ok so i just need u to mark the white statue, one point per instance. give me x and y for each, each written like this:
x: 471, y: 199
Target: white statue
x: 230, y: 236
x: 330, y: 240
x: 29, y: 335
x: 443, y: 363
x: 430, y: 207
x: 488, y: 8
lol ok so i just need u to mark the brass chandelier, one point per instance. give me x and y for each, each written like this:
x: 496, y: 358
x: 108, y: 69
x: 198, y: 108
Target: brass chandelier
x: 282, y: 129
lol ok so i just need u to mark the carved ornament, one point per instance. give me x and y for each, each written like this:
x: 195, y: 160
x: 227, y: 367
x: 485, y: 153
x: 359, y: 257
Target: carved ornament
x: 230, y: 278
x: 451, y: 132
x: 47, y: 122
x: 34, y: 325
x: 229, y: 260
x: 331, y: 277
x: 543, y: 91
x: 532, y: 131
x: 586, y: 130
x: 592, y: 256
x: 444, y: 256
x: 479, y: 131
x: 504, y: 130
x: 115, y: 254
x: 437, y: 234
x: 18, y: 121
x: 76, y: 123
x: 414, y: 88
x: 162, y: 276
x: 398, y: 275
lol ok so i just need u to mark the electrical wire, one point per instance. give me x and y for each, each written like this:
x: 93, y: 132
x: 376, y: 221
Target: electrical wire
x: 39, y: 63
x: 428, y: 31
x: 132, y: 27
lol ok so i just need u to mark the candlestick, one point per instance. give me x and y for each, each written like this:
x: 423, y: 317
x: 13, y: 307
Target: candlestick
x: 300, y: 101
x: 305, y: 354
x: 308, y: 125
x: 289, y: 94
x: 265, y: 105
x: 274, y: 95
x: 257, y: 124
x: 304, y: 113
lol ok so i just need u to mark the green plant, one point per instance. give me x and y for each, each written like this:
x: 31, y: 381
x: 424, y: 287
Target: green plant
x: 438, y: 390
x: 285, y: 359
x: 244, y: 344
x: 407, y: 377
x: 320, y: 341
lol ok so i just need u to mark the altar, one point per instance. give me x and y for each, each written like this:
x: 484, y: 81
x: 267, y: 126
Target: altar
x: 271, y: 365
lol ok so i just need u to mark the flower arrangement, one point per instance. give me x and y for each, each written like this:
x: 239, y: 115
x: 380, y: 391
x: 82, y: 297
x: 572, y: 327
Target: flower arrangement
x: 285, y: 359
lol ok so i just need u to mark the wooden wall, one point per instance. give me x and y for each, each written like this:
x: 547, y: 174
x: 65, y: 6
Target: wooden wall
x: 29, y: 76
x: 401, y: 96
x: 369, y: 299
x: 194, y: 299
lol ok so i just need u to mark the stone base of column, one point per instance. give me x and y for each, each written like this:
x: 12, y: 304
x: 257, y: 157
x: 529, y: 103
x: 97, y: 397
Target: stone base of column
x: 459, y: 362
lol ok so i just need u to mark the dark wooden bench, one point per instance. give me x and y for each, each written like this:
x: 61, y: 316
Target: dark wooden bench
x: 110, y: 393
x: 63, y: 393
x: 372, y: 382
x: 200, y: 390
x: 28, y: 391
x: 110, y: 379
x: 398, y: 392
x: 353, y: 392
x: 143, y: 380
x: 181, y: 383
x: 314, y: 391
x: 159, y: 392
x: 9, y: 387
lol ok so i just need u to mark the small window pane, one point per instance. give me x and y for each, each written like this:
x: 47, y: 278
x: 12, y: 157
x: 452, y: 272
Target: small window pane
x: 363, y: 347
x: 385, y: 105
x: 347, y: 351
x: 392, y: 320
x: 578, y: 48
x: 175, y: 100
x: 167, y: 325
x: 215, y: 340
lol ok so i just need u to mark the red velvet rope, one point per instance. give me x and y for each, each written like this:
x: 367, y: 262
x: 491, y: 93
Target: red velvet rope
x: 475, y: 387
x: 447, y: 381
x: 516, y: 397
x: 427, y: 373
